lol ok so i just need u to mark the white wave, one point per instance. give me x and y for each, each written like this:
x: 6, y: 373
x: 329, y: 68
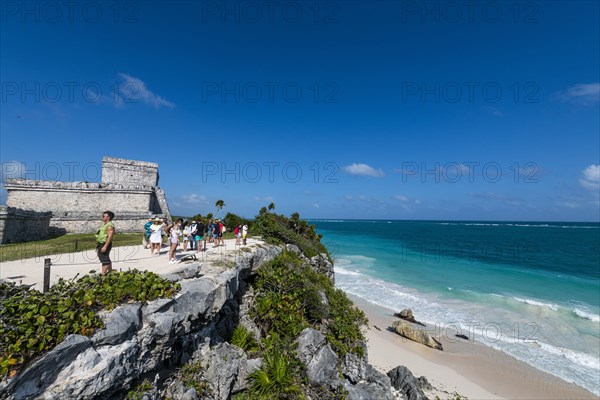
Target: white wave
x: 586, y: 315
x: 342, y: 271
x: 582, y: 359
x: 553, y: 307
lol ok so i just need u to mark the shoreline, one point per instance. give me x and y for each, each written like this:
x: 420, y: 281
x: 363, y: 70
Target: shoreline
x: 467, y: 367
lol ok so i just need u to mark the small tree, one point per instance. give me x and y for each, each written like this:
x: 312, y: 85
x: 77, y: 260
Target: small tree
x: 271, y: 207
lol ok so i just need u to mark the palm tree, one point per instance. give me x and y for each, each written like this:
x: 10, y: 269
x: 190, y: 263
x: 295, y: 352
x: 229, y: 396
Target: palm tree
x: 219, y: 204
x: 271, y: 206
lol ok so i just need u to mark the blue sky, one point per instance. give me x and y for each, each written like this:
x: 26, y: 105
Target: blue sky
x: 394, y: 110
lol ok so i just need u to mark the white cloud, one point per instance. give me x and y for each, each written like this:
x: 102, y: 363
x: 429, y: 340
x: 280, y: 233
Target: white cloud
x: 194, y: 199
x: 316, y: 205
x: 586, y: 93
x: 567, y: 204
x: 401, y: 198
x: 591, y: 177
x: 133, y: 90
x: 363, y: 169
x: 262, y: 199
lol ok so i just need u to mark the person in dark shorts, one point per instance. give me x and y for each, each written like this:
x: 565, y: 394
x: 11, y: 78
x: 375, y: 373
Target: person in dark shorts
x: 104, y: 238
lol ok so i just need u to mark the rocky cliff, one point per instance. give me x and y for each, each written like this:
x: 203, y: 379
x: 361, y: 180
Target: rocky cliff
x: 156, y: 339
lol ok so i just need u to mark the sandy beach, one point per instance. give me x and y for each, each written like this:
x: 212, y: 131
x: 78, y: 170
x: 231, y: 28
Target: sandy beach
x: 466, y: 367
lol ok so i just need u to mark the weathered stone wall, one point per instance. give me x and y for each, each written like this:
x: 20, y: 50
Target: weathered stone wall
x: 86, y: 222
x: 76, y: 196
x: 129, y: 172
x: 23, y: 226
x: 128, y: 189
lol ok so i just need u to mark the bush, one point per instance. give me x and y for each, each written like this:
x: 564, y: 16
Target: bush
x: 288, y: 300
x: 277, y: 229
x: 32, y: 322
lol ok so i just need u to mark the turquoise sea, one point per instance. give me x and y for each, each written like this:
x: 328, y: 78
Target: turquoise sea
x: 529, y: 289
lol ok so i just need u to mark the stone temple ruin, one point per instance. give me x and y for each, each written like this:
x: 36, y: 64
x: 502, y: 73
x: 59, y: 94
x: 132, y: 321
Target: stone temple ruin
x: 36, y: 209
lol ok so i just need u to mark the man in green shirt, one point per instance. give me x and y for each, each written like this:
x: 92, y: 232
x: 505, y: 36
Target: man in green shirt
x: 104, y: 238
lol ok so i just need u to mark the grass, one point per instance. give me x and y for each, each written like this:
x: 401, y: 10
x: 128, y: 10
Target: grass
x: 62, y: 244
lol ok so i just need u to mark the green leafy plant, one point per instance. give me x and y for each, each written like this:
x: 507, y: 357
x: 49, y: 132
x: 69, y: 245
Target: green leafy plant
x: 275, y: 379
x: 244, y: 339
x: 138, y: 392
x: 32, y: 322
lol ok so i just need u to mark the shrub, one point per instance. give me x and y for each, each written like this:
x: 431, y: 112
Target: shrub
x: 278, y: 229
x: 32, y: 322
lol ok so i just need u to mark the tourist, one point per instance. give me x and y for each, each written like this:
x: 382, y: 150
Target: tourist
x: 193, y: 233
x: 200, y: 238
x: 174, y: 234
x: 147, y: 233
x: 216, y: 233
x: 186, y: 236
x: 211, y: 228
x: 244, y: 233
x: 104, y: 238
x: 156, y: 236
x: 238, y: 234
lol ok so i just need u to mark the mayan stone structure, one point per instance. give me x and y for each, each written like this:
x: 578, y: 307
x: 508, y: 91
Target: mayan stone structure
x: 128, y: 188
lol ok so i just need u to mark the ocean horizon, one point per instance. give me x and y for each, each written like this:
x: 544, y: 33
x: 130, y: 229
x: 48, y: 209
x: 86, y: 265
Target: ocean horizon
x: 530, y: 289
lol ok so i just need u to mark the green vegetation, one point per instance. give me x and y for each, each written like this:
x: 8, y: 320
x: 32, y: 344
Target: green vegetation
x: 62, y: 244
x: 138, y: 392
x: 289, y: 298
x: 278, y: 229
x: 191, y: 376
x: 32, y: 322
x: 275, y: 379
x: 244, y: 339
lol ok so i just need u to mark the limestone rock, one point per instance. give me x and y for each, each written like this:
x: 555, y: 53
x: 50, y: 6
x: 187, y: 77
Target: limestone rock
x: 33, y: 380
x: 407, y: 314
x: 293, y: 248
x: 415, y: 334
x: 119, y: 325
x: 221, y: 368
x: 403, y: 380
x: 320, y: 360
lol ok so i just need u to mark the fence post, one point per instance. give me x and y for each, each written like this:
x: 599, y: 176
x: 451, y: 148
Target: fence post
x: 47, y: 264
x: 76, y: 245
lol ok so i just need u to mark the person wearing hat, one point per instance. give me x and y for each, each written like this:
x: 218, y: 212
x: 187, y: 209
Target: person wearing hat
x: 156, y: 230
